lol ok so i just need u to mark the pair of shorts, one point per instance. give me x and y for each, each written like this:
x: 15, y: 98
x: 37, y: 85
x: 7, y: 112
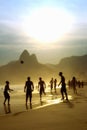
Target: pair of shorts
x: 6, y: 95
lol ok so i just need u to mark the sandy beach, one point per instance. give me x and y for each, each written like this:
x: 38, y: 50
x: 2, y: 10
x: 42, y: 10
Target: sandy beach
x: 53, y: 114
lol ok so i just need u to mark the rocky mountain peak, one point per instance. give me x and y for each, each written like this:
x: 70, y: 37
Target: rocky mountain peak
x: 25, y: 55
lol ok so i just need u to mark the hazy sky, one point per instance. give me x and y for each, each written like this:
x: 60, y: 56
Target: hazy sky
x: 51, y: 29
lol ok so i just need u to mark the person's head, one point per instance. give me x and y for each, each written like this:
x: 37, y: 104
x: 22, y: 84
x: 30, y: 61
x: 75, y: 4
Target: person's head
x: 73, y: 78
x: 40, y: 78
x: 60, y: 73
x: 7, y: 82
x: 28, y: 78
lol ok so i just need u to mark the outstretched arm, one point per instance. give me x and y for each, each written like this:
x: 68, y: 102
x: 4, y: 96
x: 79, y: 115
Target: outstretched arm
x: 11, y: 90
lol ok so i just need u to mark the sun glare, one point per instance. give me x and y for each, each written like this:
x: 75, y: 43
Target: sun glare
x: 48, y: 24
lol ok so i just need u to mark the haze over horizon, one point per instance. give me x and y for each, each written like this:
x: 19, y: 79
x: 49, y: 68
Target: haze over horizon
x: 50, y: 29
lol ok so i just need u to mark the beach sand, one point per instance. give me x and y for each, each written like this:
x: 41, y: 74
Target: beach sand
x: 53, y: 114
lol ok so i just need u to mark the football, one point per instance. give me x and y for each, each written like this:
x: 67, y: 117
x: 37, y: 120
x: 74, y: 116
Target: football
x: 21, y: 61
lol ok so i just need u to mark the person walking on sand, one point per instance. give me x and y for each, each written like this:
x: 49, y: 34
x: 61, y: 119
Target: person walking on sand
x: 51, y: 85
x: 28, y: 88
x: 41, y: 87
x: 6, y: 93
x: 55, y: 84
x: 7, y: 98
x: 74, y: 83
x: 63, y: 86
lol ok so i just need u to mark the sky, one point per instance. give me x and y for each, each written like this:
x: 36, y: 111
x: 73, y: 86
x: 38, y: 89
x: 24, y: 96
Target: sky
x: 51, y: 29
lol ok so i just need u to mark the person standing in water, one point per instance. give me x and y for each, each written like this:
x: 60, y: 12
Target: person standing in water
x: 51, y: 85
x: 63, y: 86
x: 28, y: 88
x: 41, y: 87
x: 55, y: 85
x: 7, y: 98
x: 74, y: 84
x: 6, y: 93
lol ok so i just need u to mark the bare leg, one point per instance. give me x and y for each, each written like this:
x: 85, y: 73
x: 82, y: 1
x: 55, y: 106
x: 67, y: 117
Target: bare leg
x: 26, y: 102
x: 31, y: 101
x: 9, y: 108
x: 5, y: 100
x: 66, y: 95
x: 40, y: 97
x: 62, y: 94
x: 9, y: 100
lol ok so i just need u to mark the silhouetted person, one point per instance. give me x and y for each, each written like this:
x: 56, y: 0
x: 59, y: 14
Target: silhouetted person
x: 74, y: 83
x: 63, y: 86
x: 41, y: 87
x: 6, y: 93
x: 7, y: 97
x: 55, y: 85
x: 69, y: 84
x: 28, y: 88
x: 82, y: 84
x: 51, y: 85
x: 79, y: 84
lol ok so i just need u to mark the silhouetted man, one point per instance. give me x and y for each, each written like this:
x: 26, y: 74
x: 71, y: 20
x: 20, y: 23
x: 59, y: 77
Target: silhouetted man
x: 6, y: 93
x: 41, y: 87
x: 55, y: 84
x: 7, y: 97
x: 51, y: 85
x: 63, y: 86
x: 28, y: 88
x: 74, y: 83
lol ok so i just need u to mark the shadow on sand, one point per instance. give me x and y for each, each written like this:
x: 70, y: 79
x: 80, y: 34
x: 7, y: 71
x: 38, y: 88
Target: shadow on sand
x: 69, y: 103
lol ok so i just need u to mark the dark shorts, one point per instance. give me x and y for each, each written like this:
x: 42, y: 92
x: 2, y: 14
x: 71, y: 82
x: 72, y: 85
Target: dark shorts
x: 63, y: 90
x: 42, y: 91
x: 28, y: 94
x: 6, y: 95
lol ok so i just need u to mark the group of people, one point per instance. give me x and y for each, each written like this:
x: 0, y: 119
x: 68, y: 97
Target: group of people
x: 53, y: 84
x: 29, y: 88
x: 74, y: 83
